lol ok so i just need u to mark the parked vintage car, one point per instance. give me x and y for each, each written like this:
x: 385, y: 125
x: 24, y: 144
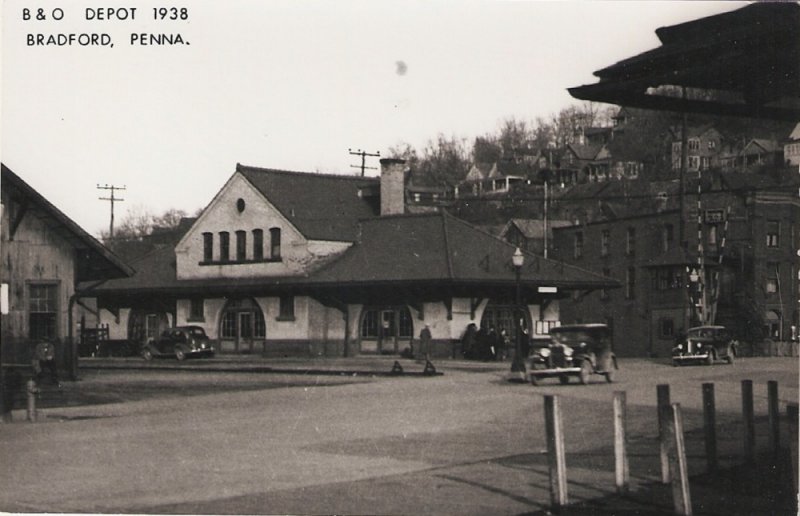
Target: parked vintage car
x: 180, y: 342
x: 575, y: 350
x: 705, y: 344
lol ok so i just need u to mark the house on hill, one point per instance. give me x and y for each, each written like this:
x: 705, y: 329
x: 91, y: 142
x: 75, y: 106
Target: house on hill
x: 46, y: 259
x: 287, y: 263
x: 791, y: 148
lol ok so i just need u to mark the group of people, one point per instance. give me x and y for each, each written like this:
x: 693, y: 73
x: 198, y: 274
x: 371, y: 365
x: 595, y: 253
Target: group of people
x: 491, y: 345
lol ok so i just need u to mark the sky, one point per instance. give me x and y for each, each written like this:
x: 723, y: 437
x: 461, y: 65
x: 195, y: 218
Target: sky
x: 290, y: 85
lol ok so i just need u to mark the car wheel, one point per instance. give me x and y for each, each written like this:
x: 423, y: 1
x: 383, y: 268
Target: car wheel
x: 586, y: 372
x: 180, y: 354
x: 610, y: 374
x: 147, y: 354
x: 710, y: 358
x: 534, y: 380
x: 675, y: 363
x: 731, y: 356
x: 564, y: 379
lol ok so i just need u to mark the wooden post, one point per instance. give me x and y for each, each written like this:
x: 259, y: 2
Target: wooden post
x: 555, y: 452
x: 662, y: 392
x: 774, y: 418
x: 749, y: 424
x: 710, y: 426
x: 621, y: 468
x: 792, y: 415
x: 679, y: 471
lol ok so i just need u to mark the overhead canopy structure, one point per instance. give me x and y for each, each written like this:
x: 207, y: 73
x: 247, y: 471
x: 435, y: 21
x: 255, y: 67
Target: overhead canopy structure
x: 741, y: 63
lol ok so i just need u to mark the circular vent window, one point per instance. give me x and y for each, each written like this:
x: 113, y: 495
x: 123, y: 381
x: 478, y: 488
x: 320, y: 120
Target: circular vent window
x: 240, y: 205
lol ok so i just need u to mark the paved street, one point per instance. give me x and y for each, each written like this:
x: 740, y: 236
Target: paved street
x: 464, y: 442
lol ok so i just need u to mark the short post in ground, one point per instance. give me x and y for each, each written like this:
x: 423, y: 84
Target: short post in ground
x: 749, y: 423
x: 679, y: 471
x: 792, y: 415
x: 662, y: 392
x: 30, y: 391
x: 556, y: 456
x: 621, y: 467
x: 774, y: 418
x: 710, y: 426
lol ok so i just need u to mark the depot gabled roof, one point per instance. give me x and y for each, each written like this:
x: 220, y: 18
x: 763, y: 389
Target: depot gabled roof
x: 426, y: 249
x: 748, y: 59
x: 94, y: 260
x: 320, y: 206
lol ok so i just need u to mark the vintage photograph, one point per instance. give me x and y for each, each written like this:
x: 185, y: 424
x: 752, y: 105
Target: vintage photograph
x: 399, y: 257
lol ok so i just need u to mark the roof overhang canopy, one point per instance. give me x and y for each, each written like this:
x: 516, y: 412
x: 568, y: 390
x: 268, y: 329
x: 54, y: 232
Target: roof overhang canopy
x: 742, y: 63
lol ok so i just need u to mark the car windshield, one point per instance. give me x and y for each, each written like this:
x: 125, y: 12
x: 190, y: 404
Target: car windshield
x: 701, y: 333
x: 197, y: 332
x: 571, y: 338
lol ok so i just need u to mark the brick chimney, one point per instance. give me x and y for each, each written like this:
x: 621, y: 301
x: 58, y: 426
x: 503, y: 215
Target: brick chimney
x: 393, y: 186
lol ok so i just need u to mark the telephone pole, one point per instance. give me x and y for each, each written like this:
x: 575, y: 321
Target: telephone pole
x: 363, y: 155
x: 112, y: 200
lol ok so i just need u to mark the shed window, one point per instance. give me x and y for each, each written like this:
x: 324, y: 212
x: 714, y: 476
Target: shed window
x: 42, y: 311
x: 773, y: 233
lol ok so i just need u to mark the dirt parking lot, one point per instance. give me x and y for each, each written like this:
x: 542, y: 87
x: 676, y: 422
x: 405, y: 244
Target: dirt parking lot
x: 256, y: 442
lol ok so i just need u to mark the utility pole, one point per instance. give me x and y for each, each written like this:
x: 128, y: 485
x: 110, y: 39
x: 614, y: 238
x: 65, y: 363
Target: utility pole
x: 363, y: 155
x: 112, y: 200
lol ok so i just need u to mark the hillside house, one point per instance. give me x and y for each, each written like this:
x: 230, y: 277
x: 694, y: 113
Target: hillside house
x: 791, y: 148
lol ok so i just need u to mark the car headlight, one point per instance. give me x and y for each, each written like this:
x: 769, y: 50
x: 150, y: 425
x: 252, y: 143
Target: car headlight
x: 544, y: 352
x: 680, y: 347
x: 568, y: 351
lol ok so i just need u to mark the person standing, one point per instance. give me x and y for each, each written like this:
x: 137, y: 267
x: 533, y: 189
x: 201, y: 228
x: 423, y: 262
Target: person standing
x: 44, y: 359
x: 425, y: 341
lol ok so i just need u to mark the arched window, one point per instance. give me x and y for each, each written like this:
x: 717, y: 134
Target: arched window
x: 275, y: 244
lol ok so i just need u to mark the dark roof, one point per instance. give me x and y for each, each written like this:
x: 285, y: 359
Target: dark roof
x: 404, y: 249
x: 441, y: 248
x: 584, y: 152
x: 534, y: 228
x: 321, y: 206
x: 749, y: 56
x: 94, y: 261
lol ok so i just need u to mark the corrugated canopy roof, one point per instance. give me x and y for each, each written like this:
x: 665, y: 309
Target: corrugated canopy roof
x: 742, y: 63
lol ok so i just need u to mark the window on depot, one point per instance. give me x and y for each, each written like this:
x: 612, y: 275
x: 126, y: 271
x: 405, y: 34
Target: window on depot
x: 773, y: 233
x: 42, y: 311
x: 275, y: 244
x: 578, y: 251
x: 224, y: 246
x: 208, y: 247
x: 286, y: 307
x: 605, y: 239
x: 258, y: 244
x: 196, y: 309
x: 241, y: 246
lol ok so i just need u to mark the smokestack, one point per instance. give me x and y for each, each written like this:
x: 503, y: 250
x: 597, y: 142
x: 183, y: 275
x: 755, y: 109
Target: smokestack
x: 393, y: 186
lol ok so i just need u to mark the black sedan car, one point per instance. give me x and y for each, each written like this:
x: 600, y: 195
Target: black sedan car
x: 180, y: 342
x: 705, y: 345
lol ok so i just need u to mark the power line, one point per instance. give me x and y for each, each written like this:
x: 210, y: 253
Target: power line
x: 112, y: 199
x: 363, y: 155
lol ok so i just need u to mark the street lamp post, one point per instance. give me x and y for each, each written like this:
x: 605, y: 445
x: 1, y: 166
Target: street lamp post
x: 518, y: 364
